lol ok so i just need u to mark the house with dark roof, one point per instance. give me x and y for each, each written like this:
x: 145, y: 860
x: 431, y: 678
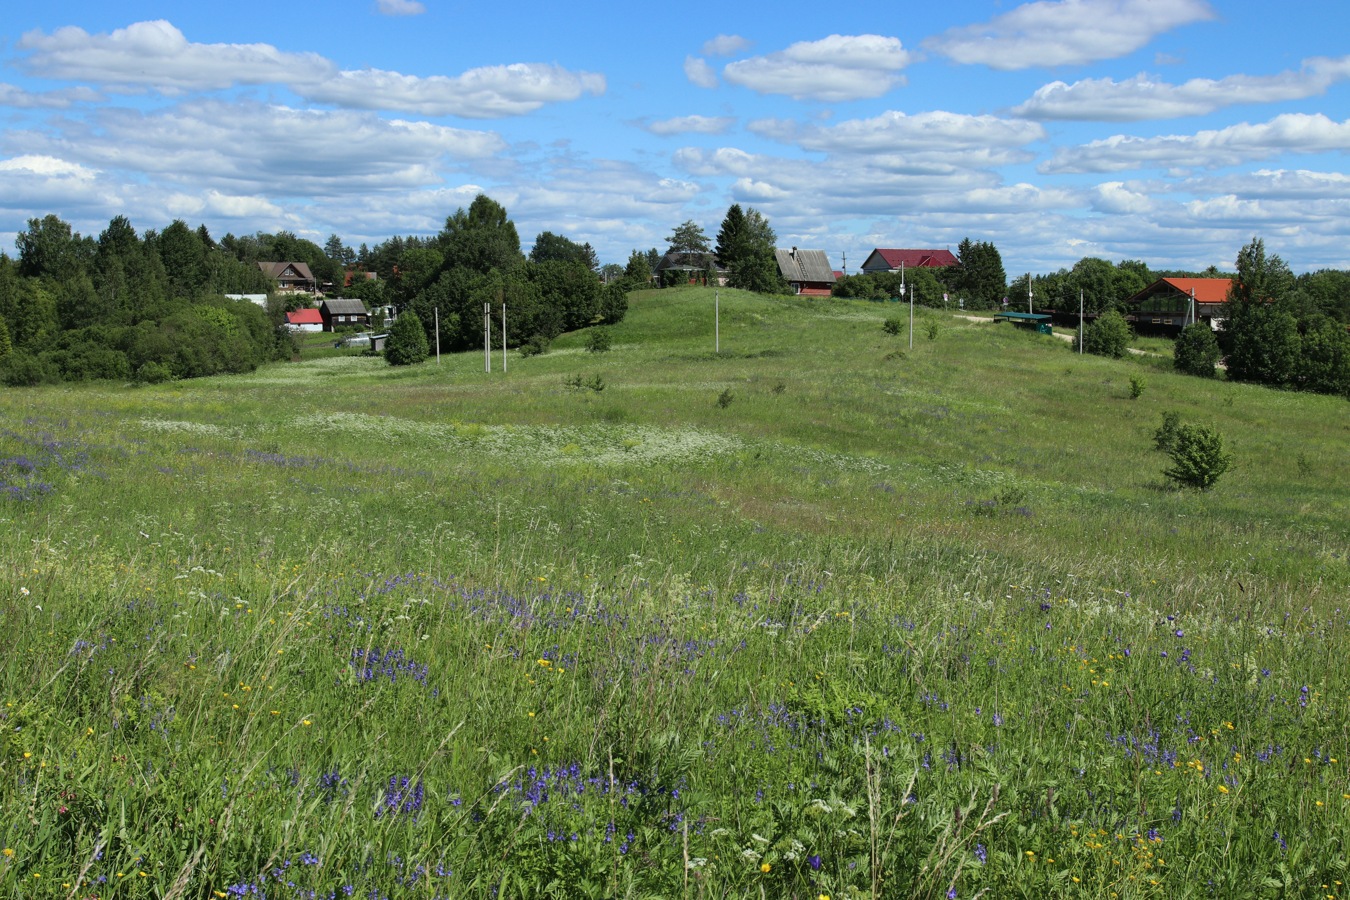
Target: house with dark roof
x: 807, y: 271
x: 885, y: 260
x: 691, y: 266
x: 290, y: 276
x: 1173, y: 303
x: 340, y: 312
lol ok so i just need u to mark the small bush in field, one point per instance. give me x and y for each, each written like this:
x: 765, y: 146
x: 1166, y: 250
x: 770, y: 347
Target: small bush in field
x: 535, y: 346
x: 1166, y: 435
x: 892, y: 326
x: 1108, y: 336
x: 598, y: 340
x: 1198, y: 457
x: 1137, y: 385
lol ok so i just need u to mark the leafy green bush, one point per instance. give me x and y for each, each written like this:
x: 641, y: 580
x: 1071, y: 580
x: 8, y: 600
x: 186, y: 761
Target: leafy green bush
x: 1108, y: 336
x: 614, y: 302
x: 1198, y: 457
x: 1324, y: 359
x: 724, y: 399
x: 598, y: 340
x: 892, y: 325
x: 1166, y: 435
x: 1196, y: 351
x: 1137, y: 385
x: 407, y: 343
x: 580, y: 382
x: 537, y: 345
x: 23, y: 369
x: 153, y: 373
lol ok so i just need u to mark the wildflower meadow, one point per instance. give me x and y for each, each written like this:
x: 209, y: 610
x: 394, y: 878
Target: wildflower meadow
x: 815, y: 616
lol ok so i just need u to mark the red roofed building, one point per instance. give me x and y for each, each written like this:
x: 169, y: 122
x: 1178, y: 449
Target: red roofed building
x: 1167, y: 302
x: 893, y: 260
x: 308, y: 319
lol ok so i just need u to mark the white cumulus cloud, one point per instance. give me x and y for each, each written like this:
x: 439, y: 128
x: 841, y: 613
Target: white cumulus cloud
x: 725, y: 45
x: 157, y: 56
x: 1066, y: 32
x: 246, y: 147
x: 834, y: 69
x: 896, y: 132
x: 484, y: 93
x: 691, y: 125
x: 18, y: 98
x: 1142, y: 97
x: 1116, y: 197
x: 400, y: 7
x: 1245, y: 142
x: 699, y: 73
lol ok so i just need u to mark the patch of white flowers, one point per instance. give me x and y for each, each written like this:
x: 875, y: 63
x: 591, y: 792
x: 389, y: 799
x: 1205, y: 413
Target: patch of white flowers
x: 596, y: 445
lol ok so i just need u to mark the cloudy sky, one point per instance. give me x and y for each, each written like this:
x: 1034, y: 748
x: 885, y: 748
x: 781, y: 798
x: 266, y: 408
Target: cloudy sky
x: 1170, y: 131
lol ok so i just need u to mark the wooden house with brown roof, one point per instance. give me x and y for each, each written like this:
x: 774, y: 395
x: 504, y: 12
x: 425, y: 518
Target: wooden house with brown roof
x: 807, y: 271
x: 341, y: 312
x: 290, y: 276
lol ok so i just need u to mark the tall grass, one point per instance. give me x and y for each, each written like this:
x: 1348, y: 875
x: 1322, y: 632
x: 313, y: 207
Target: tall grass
x: 888, y: 623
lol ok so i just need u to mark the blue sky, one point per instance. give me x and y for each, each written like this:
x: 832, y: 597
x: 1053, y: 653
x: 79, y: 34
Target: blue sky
x: 1170, y: 131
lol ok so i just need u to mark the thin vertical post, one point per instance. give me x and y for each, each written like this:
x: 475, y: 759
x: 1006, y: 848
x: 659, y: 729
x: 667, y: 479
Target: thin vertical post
x: 487, y: 337
x: 503, y: 336
x: 438, y: 335
x: 717, y: 322
x: 911, y: 316
x: 1080, y: 321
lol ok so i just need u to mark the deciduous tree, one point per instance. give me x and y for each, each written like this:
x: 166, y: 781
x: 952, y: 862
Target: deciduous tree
x: 1196, y: 351
x: 407, y: 344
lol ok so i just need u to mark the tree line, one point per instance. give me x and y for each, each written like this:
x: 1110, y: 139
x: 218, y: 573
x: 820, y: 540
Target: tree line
x: 151, y: 306
x: 126, y: 305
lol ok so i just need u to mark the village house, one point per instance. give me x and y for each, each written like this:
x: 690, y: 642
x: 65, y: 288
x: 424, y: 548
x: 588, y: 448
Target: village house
x: 340, y: 312
x: 290, y: 276
x: 690, y: 266
x: 807, y: 271
x: 307, y: 319
x: 1173, y: 303
x: 884, y: 260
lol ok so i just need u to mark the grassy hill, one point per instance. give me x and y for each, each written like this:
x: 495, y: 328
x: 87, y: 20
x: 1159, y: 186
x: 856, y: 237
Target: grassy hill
x: 669, y: 621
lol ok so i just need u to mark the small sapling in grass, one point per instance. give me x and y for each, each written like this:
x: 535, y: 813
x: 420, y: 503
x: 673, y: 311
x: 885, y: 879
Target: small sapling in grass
x: 1198, y: 457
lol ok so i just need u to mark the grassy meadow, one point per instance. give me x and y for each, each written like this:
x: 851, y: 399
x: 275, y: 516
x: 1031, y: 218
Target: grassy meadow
x: 815, y: 616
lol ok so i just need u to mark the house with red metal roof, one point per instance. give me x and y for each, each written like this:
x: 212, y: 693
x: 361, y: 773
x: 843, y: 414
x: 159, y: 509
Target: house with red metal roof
x: 883, y: 260
x: 1173, y: 303
x: 308, y: 319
